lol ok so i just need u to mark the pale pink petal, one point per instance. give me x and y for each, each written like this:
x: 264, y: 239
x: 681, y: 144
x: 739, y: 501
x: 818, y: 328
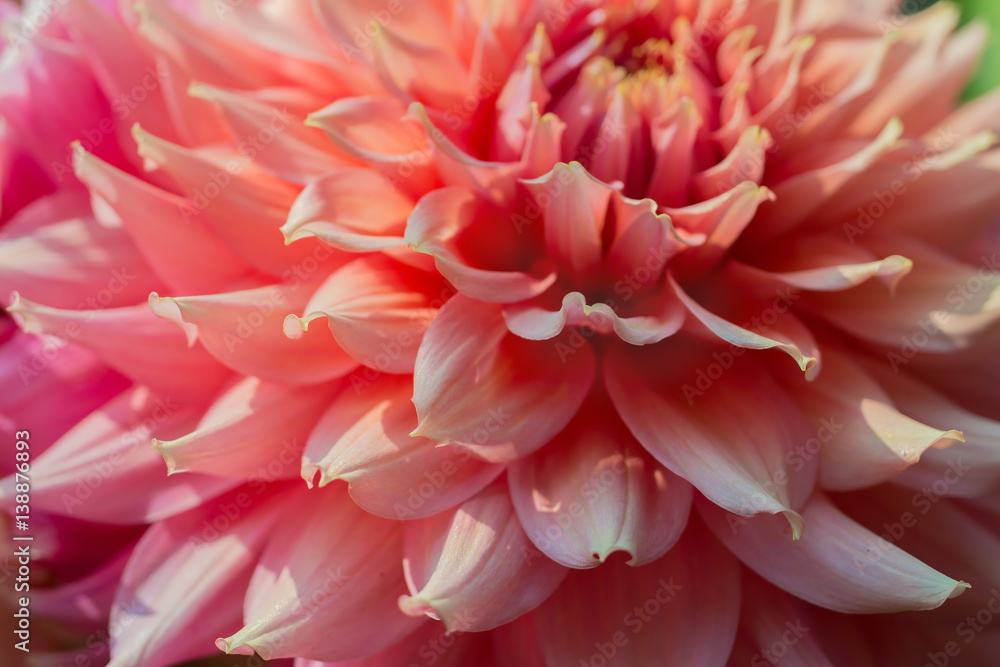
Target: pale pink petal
x: 107, y: 457
x: 735, y: 445
x: 364, y: 439
x: 593, y: 491
x: 351, y: 209
x: 326, y: 565
x: 479, y: 387
x: 832, y: 565
x: 197, y: 561
x: 245, y: 331
x: 252, y: 426
x: 642, y: 616
x: 162, y: 226
x: 132, y: 341
x: 470, y: 568
x: 377, y: 310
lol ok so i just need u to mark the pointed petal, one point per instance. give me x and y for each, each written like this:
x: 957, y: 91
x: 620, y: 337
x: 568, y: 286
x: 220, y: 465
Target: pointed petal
x: 245, y: 331
x: 348, y: 561
x: 861, y: 438
x: 351, y: 209
x: 241, y: 203
x: 803, y: 351
x: 161, y: 226
x: 478, y: 387
x: 575, y: 204
x: 468, y: 567
x: 124, y: 339
x: 364, y: 439
x: 248, y: 427
x: 377, y: 309
x: 837, y: 564
x: 104, y: 470
x: 594, y: 490
x: 438, y: 219
x: 75, y: 260
x: 183, y: 566
x: 735, y: 446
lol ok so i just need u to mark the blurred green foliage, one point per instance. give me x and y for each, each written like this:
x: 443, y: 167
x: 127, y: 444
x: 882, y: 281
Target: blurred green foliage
x: 988, y: 75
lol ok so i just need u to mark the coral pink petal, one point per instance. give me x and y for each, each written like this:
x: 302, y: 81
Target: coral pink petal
x: 750, y: 434
x: 861, y: 438
x: 431, y: 643
x: 351, y: 209
x: 575, y: 205
x: 474, y: 568
x: 132, y: 341
x: 364, y: 439
x: 441, y: 216
x: 183, y: 566
x: 242, y: 204
x: 348, y: 560
x: 107, y: 457
x: 593, y: 491
x: 832, y: 565
x: 640, y: 615
x: 161, y: 225
x: 477, y: 386
x: 245, y: 331
x: 378, y: 310
x: 252, y: 425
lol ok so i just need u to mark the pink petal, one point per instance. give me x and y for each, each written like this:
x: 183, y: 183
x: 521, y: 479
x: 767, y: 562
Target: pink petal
x: 252, y: 426
x: 351, y: 209
x: 641, y: 616
x: 160, y: 225
x: 184, y: 566
x: 736, y: 445
x: 861, y: 438
x: 468, y: 567
x: 245, y: 331
x: 478, y: 387
x: 437, y: 220
x: 363, y: 439
x: 832, y: 565
x: 575, y: 205
x: 328, y: 564
x: 125, y: 338
x: 803, y: 351
x: 377, y: 309
x: 106, y: 458
x: 73, y: 261
x: 593, y: 491
x: 242, y: 204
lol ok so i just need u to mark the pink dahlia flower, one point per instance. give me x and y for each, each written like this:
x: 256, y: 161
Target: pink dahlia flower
x: 523, y: 332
